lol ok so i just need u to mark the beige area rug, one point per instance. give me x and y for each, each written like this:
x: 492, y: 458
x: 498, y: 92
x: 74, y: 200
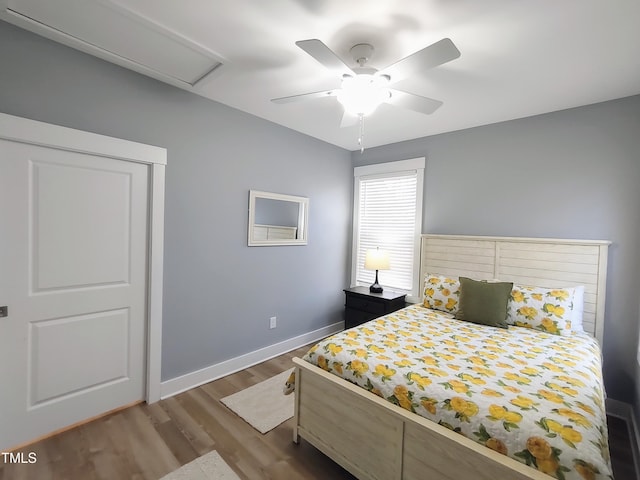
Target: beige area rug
x: 263, y: 406
x: 210, y: 466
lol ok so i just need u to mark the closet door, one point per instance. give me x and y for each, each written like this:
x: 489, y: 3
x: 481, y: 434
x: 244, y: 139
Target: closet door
x: 73, y: 278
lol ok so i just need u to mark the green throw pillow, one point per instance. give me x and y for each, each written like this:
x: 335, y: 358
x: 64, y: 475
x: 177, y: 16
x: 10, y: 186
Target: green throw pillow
x: 484, y: 302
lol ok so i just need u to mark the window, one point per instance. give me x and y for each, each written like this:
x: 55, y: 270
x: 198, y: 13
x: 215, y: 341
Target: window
x: 387, y: 206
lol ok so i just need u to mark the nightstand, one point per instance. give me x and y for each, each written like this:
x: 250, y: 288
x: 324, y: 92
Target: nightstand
x: 361, y: 305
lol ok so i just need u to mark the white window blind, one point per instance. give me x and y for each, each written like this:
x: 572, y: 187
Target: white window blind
x: 387, y: 215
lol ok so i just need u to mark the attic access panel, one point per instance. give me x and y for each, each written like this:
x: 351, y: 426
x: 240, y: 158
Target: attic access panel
x: 117, y: 34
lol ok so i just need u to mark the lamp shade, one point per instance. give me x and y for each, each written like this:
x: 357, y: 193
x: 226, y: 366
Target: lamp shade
x: 376, y: 260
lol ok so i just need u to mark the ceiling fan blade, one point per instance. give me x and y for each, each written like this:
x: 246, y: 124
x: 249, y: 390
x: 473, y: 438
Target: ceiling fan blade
x: 413, y: 102
x: 305, y: 96
x: 348, y: 120
x: 324, y: 55
x: 436, y: 54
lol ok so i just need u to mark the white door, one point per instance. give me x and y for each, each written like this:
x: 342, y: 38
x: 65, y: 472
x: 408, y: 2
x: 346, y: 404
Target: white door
x: 73, y: 276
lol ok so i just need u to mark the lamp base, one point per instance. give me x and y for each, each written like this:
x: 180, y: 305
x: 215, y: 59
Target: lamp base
x: 375, y: 288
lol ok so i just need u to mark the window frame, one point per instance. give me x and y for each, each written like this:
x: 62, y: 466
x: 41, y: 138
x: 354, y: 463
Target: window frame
x: 400, y: 168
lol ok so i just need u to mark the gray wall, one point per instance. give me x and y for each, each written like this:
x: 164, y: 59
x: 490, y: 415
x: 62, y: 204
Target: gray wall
x: 568, y: 174
x: 218, y: 293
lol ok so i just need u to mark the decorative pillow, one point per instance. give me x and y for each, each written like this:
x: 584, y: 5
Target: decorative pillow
x: 484, y: 302
x: 441, y: 293
x: 547, y: 309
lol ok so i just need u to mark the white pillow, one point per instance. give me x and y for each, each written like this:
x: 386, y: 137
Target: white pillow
x: 578, y: 309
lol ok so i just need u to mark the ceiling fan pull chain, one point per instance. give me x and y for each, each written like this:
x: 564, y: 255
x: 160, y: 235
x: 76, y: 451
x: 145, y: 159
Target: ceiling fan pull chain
x: 361, y: 135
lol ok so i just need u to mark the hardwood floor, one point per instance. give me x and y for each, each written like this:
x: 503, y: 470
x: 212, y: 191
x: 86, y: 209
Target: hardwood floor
x: 145, y: 442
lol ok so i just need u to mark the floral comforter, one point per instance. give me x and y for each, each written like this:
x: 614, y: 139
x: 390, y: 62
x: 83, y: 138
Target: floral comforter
x: 533, y: 396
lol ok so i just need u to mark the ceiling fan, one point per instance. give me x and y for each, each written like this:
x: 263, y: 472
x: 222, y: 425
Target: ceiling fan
x: 364, y: 88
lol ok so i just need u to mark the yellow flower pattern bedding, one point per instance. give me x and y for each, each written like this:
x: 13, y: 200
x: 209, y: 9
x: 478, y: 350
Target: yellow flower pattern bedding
x: 533, y: 396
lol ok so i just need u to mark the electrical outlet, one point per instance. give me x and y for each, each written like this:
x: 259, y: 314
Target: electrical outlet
x: 272, y: 322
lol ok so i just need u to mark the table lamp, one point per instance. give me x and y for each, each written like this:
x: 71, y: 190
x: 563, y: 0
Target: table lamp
x: 376, y: 260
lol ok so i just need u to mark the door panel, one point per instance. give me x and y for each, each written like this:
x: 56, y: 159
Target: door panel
x: 65, y: 196
x: 73, y: 271
x: 100, y: 339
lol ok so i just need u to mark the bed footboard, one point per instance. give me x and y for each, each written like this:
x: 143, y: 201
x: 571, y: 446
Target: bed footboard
x: 374, y: 439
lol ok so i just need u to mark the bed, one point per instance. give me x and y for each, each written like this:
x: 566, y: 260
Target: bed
x: 371, y: 429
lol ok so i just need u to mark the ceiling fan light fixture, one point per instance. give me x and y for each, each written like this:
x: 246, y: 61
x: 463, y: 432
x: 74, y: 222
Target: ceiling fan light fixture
x: 361, y: 94
x: 364, y: 88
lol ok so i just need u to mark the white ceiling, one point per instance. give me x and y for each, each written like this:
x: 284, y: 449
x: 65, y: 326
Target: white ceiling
x: 518, y: 58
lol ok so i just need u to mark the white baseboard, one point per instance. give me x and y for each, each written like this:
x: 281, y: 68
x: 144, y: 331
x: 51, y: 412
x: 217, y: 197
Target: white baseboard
x: 623, y: 410
x: 191, y: 380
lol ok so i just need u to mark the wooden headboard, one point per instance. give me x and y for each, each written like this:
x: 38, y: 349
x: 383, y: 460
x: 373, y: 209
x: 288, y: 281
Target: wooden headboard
x: 540, y: 262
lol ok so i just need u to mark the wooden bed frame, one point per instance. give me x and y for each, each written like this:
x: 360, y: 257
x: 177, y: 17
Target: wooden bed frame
x: 375, y: 439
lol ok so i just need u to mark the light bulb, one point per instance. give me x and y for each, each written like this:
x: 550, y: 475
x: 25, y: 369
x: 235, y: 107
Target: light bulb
x: 361, y: 95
